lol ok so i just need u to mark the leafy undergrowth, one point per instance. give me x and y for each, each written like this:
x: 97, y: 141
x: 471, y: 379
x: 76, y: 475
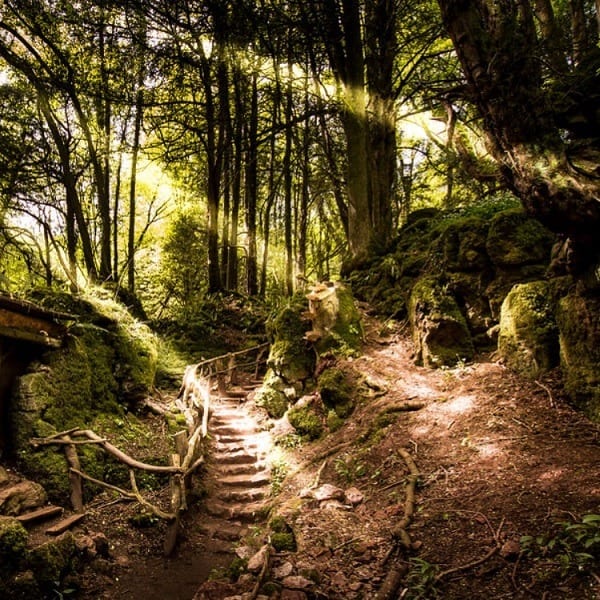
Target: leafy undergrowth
x: 506, y: 501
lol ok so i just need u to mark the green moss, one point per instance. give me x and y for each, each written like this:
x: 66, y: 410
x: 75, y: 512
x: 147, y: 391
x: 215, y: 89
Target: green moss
x: 334, y: 421
x: 282, y: 535
x: 288, y: 323
x: 528, y: 339
x: 292, y: 360
x: 334, y: 386
x: 279, y: 525
x: 13, y: 545
x: 516, y: 239
x: 108, y: 360
x: 52, y: 560
x: 272, y: 400
x: 336, y: 391
x: 347, y: 328
x: 306, y: 421
x: 462, y: 243
x: 283, y: 542
x: 578, y: 319
x: 49, y: 466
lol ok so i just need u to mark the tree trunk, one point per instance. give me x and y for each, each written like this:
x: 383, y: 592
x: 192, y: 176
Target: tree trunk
x: 380, y: 51
x: 501, y: 64
x: 287, y: 185
x: 252, y: 187
x: 139, y: 115
x: 355, y: 128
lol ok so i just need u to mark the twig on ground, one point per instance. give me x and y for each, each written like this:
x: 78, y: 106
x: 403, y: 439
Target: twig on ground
x: 470, y: 565
x: 548, y: 391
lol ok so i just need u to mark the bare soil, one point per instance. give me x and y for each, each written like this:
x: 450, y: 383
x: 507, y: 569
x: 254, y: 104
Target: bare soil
x: 499, y: 458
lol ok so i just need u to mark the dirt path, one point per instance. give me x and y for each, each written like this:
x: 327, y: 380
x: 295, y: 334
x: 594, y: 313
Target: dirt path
x: 499, y: 458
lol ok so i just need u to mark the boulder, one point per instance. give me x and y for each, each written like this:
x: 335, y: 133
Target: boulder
x: 516, y: 239
x: 528, y: 337
x: 13, y: 546
x: 578, y: 320
x: 21, y: 497
x: 440, y: 333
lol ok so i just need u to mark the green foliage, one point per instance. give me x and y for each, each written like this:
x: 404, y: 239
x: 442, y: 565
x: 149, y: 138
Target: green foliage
x: 289, y: 441
x: 184, y: 254
x: 573, y: 547
x: 421, y: 580
x: 349, y: 468
x: 279, y: 471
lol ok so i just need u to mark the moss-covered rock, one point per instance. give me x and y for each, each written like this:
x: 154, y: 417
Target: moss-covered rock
x: 462, y: 243
x: 52, y: 560
x: 306, y: 420
x: 336, y: 390
x: 516, y: 239
x: 336, y: 322
x: 271, y: 396
x: 13, y: 545
x: 528, y: 339
x: 440, y: 333
x: 578, y: 320
x: 105, y: 366
x: 292, y: 360
x: 282, y: 535
x: 21, y: 497
x: 288, y: 323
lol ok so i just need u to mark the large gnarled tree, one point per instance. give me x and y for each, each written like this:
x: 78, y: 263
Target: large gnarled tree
x: 533, y: 73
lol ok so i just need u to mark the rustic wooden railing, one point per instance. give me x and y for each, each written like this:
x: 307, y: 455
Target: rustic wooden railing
x: 194, y: 400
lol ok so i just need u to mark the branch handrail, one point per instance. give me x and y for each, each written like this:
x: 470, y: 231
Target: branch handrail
x: 184, y: 462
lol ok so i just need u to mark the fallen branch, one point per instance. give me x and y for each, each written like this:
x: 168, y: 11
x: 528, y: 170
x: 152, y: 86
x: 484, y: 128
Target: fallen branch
x: 495, y: 534
x: 409, y: 505
x: 130, y: 495
x: 121, y: 456
x: 394, y: 577
x: 404, y: 406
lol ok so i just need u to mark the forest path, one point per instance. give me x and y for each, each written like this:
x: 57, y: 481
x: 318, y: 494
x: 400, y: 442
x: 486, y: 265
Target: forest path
x: 499, y: 458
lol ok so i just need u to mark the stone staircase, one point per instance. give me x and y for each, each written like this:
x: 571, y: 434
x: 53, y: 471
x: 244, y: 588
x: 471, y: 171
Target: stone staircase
x: 238, y: 471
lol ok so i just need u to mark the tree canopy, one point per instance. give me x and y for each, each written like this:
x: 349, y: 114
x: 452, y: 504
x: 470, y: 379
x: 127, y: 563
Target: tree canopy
x: 261, y: 142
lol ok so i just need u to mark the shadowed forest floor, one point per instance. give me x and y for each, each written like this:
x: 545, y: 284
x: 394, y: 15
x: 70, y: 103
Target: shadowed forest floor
x: 499, y: 458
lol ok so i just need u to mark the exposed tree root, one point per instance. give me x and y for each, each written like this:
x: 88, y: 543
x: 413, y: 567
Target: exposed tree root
x: 397, y: 572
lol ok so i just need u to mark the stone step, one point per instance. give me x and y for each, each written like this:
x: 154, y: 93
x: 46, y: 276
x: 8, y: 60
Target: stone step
x: 242, y: 495
x: 235, y: 458
x: 244, y: 512
x: 249, y: 469
x: 222, y: 530
x: 48, y: 512
x: 246, y: 480
x: 237, y: 446
x: 233, y: 430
